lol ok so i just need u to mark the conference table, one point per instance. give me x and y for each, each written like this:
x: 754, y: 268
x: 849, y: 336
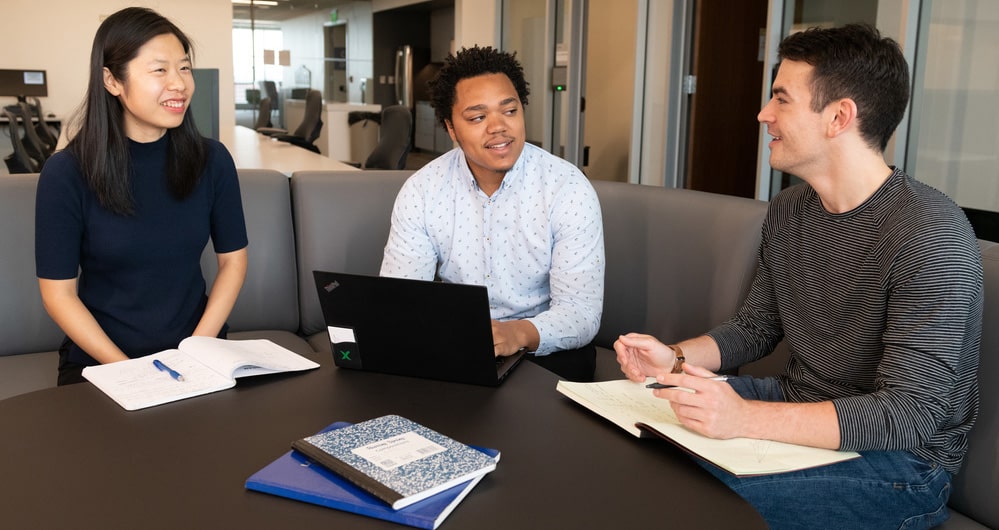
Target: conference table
x: 252, y: 150
x: 72, y: 458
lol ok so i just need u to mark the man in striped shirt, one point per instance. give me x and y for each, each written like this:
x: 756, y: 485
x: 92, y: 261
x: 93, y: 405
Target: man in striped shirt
x: 874, y: 282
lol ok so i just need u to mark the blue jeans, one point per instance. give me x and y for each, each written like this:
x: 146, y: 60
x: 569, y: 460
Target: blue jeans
x: 881, y: 489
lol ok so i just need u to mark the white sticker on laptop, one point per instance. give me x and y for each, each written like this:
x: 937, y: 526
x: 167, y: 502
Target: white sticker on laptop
x: 338, y: 335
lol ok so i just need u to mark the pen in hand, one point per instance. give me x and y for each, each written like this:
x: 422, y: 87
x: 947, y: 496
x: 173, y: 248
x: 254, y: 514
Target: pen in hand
x: 660, y: 385
x: 164, y: 368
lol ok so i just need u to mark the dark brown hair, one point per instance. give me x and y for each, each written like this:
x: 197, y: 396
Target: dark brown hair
x: 856, y: 62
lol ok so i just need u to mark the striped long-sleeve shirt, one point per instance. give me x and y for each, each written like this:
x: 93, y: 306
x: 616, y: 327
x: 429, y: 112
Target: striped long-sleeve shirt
x: 881, y: 308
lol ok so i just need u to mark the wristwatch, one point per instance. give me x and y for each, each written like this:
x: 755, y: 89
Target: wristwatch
x: 678, y: 363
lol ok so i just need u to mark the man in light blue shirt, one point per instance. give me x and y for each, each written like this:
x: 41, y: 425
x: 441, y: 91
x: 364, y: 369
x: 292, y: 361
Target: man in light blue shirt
x: 500, y: 212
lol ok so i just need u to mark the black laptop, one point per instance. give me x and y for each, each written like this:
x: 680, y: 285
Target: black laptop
x: 415, y: 328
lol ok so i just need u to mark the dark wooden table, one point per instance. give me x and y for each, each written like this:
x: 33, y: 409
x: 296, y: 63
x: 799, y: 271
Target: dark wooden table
x: 72, y: 458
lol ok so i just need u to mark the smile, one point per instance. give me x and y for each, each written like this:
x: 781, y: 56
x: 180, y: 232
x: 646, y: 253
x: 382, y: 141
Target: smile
x: 499, y: 146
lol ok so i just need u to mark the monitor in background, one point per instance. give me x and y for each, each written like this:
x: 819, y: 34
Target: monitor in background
x: 23, y: 83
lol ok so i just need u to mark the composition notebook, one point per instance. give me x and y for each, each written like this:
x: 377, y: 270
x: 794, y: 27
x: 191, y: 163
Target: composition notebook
x: 634, y: 408
x: 295, y: 476
x: 395, y: 459
x: 416, y: 328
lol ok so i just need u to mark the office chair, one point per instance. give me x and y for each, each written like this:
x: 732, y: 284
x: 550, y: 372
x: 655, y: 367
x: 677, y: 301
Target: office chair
x: 270, y: 90
x: 48, y: 135
x: 394, y: 141
x: 19, y: 161
x: 308, y: 130
x: 35, y: 147
x: 252, y: 96
x: 264, y: 115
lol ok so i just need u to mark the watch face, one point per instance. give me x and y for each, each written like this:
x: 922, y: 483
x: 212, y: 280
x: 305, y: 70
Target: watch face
x: 680, y: 359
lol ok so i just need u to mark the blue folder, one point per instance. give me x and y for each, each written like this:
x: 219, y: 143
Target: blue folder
x: 296, y: 477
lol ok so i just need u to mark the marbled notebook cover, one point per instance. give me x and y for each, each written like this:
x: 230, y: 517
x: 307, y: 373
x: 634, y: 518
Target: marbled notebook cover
x: 403, y: 484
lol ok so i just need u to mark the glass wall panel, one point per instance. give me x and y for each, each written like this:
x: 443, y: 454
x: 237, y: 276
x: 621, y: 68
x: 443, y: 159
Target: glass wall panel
x: 954, y: 132
x: 248, y: 45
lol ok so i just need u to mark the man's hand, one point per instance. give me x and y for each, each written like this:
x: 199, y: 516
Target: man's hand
x: 642, y: 356
x: 511, y: 336
x: 706, y: 406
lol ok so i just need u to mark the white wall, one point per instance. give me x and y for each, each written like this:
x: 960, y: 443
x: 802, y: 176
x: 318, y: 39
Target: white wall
x: 476, y: 22
x: 610, y: 80
x: 56, y: 36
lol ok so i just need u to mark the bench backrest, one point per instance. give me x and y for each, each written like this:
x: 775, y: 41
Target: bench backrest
x: 975, y: 487
x: 269, y: 297
x: 24, y: 324
x: 678, y: 261
x: 342, y: 221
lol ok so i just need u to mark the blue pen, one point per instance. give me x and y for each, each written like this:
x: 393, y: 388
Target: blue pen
x: 164, y: 368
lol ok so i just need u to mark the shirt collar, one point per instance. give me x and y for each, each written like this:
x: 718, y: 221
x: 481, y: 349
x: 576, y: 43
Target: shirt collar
x: 513, y: 177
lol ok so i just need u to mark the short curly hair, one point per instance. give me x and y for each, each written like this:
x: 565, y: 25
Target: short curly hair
x: 473, y: 62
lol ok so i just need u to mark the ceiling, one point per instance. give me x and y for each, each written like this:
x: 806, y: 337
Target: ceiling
x: 284, y: 10
x: 293, y: 8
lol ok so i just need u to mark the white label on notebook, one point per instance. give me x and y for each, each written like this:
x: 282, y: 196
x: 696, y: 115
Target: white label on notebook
x: 338, y: 335
x: 398, y: 450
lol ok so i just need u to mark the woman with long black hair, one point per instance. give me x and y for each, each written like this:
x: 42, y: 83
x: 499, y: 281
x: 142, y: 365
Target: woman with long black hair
x: 125, y: 211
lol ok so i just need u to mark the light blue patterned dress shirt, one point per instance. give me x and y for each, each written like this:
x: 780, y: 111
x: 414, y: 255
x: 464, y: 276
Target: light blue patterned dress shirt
x: 536, y: 244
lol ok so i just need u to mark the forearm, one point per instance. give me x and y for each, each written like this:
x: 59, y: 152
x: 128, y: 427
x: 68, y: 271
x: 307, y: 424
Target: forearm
x: 642, y: 356
x: 811, y: 424
x: 716, y: 410
x: 224, y: 292
x: 77, y: 322
x: 701, y: 351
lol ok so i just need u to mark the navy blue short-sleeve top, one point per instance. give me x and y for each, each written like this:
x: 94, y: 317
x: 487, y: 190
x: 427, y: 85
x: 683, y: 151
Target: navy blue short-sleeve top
x: 139, y: 275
